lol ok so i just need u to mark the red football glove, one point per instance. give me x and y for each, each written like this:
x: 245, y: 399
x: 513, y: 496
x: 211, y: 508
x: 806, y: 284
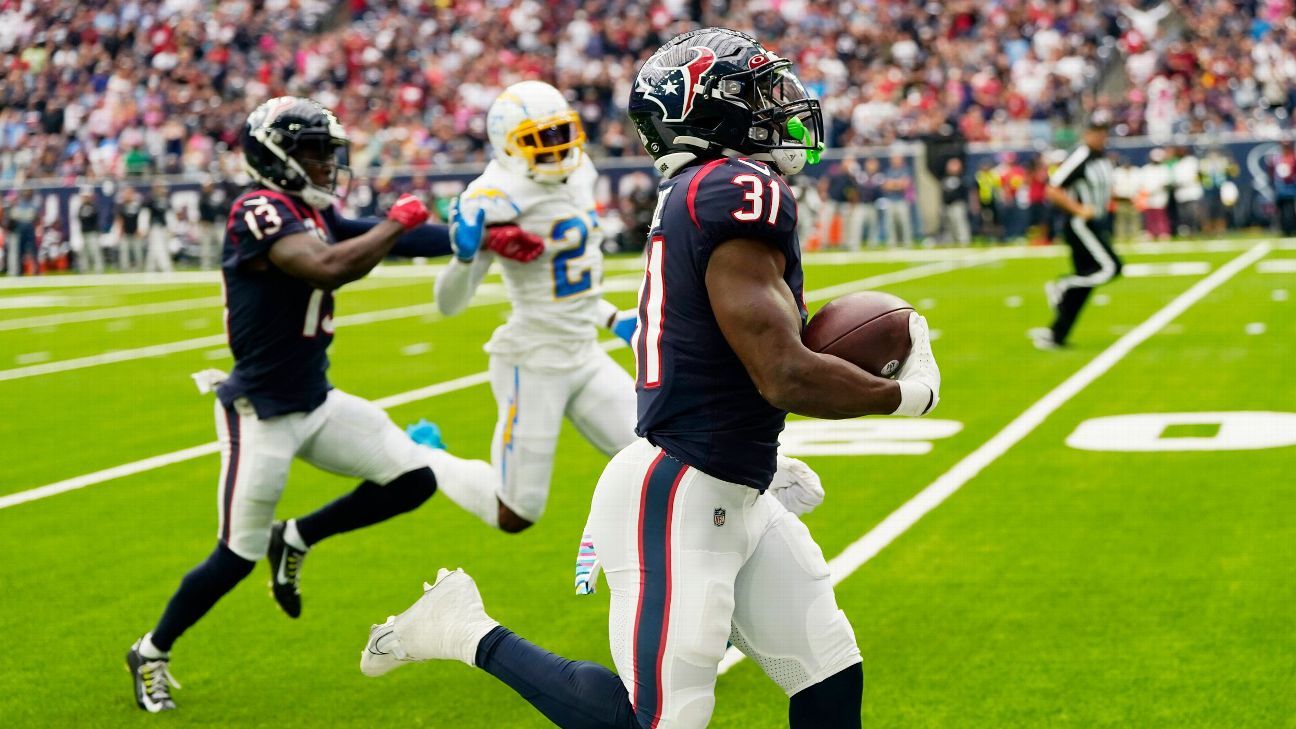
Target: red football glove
x: 409, y: 211
x: 512, y: 242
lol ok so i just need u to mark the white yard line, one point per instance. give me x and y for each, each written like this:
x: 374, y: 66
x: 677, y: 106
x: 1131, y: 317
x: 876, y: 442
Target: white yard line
x: 420, y: 271
x: 422, y: 393
x: 112, y: 312
x: 900, y: 520
x: 488, y: 294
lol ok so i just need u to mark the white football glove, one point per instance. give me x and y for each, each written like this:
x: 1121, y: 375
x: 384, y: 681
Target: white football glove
x: 796, y: 486
x: 919, y: 377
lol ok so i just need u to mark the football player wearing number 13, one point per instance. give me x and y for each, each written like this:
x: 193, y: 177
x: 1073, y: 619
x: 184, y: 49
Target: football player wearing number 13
x: 287, y: 248
x: 697, y: 553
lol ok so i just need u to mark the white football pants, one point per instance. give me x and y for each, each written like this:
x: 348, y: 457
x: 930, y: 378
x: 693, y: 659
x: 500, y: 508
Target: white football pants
x: 694, y: 562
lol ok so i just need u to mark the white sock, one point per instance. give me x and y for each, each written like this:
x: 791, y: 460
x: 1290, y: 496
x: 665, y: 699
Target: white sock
x: 472, y: 485
x: 294, y: 537
x: 150, y: 651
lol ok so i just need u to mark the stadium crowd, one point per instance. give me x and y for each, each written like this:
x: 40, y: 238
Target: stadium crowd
x: 108, y: 90
x: 129, y: 87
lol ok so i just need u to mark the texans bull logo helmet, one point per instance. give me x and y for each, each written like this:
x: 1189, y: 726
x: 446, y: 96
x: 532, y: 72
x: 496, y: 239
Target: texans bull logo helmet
x: 717, y: 92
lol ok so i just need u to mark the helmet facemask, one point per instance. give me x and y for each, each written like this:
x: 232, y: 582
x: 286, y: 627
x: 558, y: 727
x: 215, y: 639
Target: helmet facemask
x: 552, y: 147
x: 315, y: 161
x: 786, y: 124
x: 323, y: 160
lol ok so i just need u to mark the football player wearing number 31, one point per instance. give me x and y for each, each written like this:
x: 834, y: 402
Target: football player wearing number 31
x: 697, y: 552
x: 287, y: 248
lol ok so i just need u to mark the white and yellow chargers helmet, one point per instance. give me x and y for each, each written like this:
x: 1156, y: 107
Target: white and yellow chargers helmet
x: 535, y: 132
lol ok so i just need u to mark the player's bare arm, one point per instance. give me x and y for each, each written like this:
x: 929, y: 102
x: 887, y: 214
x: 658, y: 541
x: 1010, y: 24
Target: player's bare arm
x: 760, y: 320
x: 1058, y: 197
x: 325, y: 266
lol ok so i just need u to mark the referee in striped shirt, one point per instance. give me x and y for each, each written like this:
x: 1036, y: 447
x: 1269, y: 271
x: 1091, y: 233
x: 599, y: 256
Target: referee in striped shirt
x: 1082, y: 187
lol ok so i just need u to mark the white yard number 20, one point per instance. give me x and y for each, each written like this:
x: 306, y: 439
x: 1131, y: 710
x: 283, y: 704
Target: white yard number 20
x: 755, y: 197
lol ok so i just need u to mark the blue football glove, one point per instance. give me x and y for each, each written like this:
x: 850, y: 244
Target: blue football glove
x: 425, y: 433
x: 624, y: 325
x: 466, y: 236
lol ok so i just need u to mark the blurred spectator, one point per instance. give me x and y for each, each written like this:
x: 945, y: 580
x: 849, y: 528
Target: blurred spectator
x: 1188, y: 192
x: 54, y: 250
x: 898, y: 192
x: 129, y: 87
x: 183, y: 236
x: 1284, y: 185
x: 1039, y: 213
x: 869, y: 181
x: 1013, y: 197
x: 809, y: 210
x: 213, y: 210
x: 1217, y: 172
x: 128, y: 230
x: 158, y: 205
x: 842, y: 206
x: 954, y: 194
x: 21, y: 247
x: 987, y: 182
x: 1154, y: 187
x: 87, y: 214
x: 1125, y: 188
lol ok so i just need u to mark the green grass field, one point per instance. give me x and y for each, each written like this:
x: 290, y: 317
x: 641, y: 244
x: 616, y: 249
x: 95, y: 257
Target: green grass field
x: 1058, y: 587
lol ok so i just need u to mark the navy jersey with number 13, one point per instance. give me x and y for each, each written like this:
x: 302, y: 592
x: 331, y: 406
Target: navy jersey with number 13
x: 696, y: 400
x: 279, y: 327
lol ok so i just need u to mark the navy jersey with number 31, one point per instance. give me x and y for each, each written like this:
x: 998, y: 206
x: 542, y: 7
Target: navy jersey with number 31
x: 279, y: 327
x: 696, y: 400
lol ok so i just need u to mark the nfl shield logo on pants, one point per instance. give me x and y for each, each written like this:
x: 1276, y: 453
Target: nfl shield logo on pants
x: 718, y: 517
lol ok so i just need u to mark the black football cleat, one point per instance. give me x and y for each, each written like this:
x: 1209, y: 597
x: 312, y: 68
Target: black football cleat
x: 153, y: 681
x: 285, y: 571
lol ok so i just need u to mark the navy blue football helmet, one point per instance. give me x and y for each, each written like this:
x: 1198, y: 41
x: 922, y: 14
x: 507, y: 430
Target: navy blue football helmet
x: 298, y: 147
x: 714, y: 92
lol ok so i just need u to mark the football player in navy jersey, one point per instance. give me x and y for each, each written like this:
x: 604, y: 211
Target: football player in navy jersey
x: 287, y: 248
x: 696, y: 551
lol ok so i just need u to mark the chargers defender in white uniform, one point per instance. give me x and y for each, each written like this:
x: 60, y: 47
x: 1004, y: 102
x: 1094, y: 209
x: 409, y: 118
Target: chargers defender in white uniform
x: 545, y: 360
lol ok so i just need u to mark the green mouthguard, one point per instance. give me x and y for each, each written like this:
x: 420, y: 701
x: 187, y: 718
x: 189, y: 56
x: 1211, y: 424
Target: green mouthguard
x: 802, y: 135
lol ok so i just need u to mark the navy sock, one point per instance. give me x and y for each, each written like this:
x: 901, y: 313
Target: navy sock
x: 833, y: 703
x: 368, y: 504
x: 571, y: 694
x: 199, y: 591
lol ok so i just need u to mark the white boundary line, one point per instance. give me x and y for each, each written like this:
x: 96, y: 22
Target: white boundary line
x: 423, y: 393
x: 417, y: 270
x: 112, y: 312
x: 899, y: 521
x: 488, y: 294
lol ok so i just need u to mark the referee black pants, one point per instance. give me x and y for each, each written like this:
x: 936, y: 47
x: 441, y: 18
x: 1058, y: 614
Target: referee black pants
x: 1095, y: 262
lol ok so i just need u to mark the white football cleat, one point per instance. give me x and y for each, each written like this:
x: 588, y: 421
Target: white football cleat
x: 1042, y: 338
x: 1053, y: 294
x: 447, y: 622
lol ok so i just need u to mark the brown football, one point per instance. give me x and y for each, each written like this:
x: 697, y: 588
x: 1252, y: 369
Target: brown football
x: 869, y: 329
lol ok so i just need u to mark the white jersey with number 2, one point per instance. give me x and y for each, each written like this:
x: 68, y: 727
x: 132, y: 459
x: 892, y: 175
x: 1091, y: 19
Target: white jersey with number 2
x: 555, y: 297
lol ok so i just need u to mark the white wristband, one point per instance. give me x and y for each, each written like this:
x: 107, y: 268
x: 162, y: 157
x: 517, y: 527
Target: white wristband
x: 607, y: 313
x: 915, y: 399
